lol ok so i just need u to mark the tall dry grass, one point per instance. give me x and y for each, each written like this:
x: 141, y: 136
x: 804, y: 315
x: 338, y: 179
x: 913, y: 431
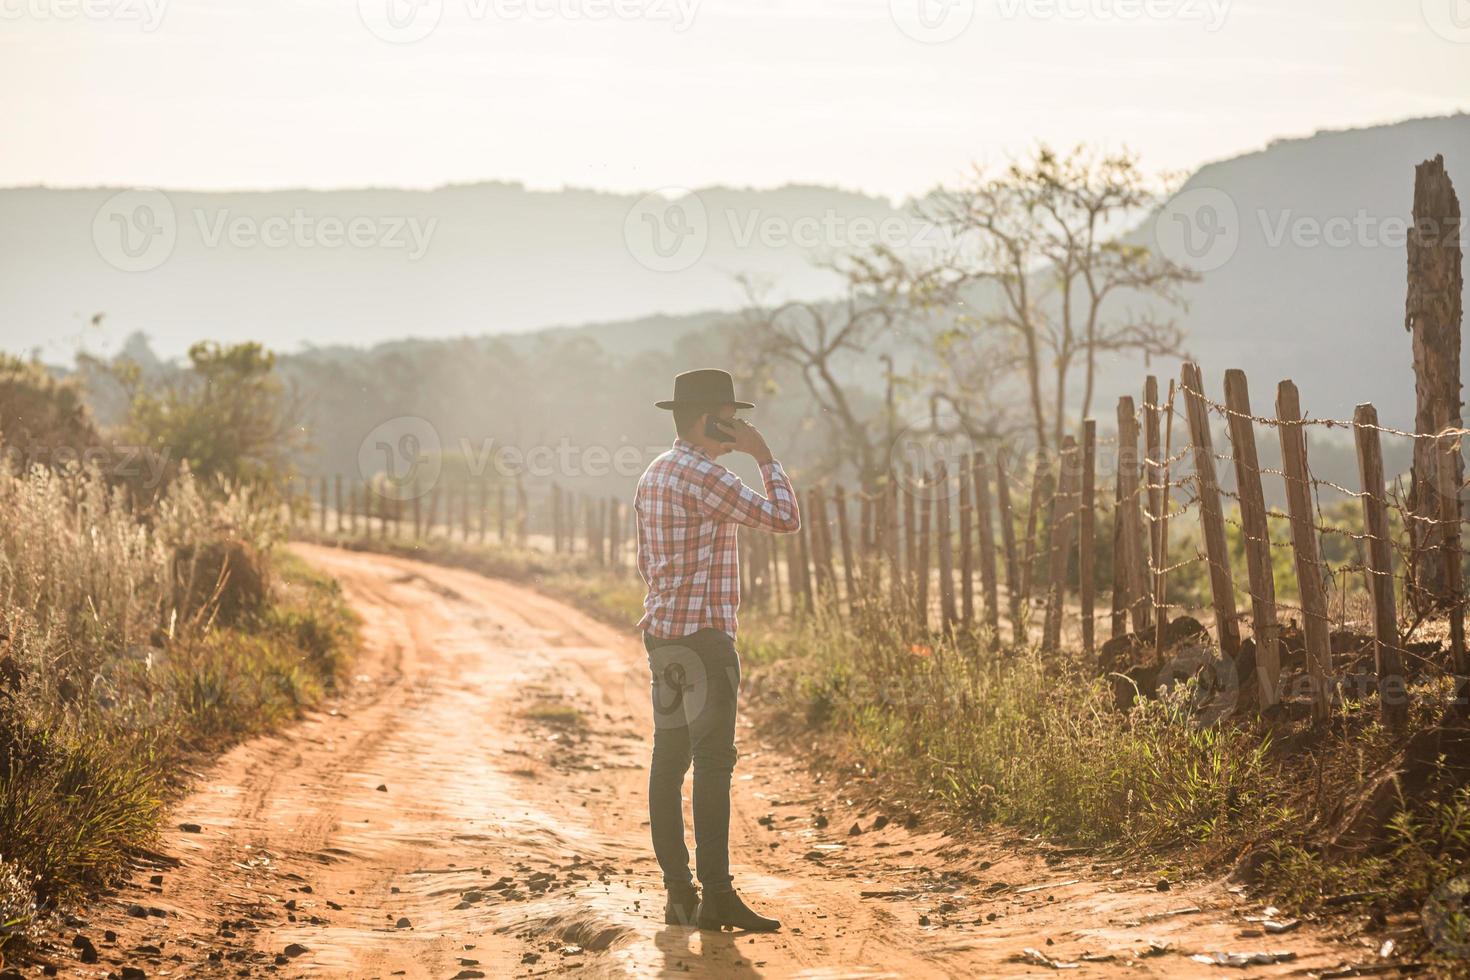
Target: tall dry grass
x: 130, y: 639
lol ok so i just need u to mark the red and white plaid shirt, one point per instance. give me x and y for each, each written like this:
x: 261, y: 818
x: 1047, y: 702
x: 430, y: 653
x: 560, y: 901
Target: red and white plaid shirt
x: 688, y: 509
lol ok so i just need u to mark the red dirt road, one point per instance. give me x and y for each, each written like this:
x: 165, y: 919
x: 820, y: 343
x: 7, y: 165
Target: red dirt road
x: 476, y: 807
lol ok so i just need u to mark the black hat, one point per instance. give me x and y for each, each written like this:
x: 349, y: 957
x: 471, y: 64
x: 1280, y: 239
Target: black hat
x: 704, y: 387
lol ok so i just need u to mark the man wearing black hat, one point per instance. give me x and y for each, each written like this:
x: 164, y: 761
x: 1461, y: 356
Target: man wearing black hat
x: 689, y: 508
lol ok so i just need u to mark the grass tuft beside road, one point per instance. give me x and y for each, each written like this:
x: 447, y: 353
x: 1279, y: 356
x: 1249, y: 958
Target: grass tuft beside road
x: 135, y: 644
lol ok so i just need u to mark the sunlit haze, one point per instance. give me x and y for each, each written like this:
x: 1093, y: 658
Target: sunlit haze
x: 638, y: 94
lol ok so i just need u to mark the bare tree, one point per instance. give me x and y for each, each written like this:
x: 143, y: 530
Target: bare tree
x: 883, y: 292
x: 1043, y: 233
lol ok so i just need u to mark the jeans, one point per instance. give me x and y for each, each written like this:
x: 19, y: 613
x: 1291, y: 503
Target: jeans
x: 696, y: 683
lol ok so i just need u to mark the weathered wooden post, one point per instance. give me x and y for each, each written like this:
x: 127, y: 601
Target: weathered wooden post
x: 981, y: 480
x: 322, y: 506
x: 1008, y: 540
x: 1304, y: 544
x: 482, y: 528
x: 910, y: 529
x: 1086, y: 534
x: 1432, y: 314
x: 1393, y: 694
x: 523, y: 513
x: 1063, y: 516
x: 337, y: 496
x: 1033, y: 510
x: 1450, y: 467
x: 1257, y: 537
x: 922, y: 569
x: 816, y: 509
x: 776, y: 576
x: 839, y: 502
x: 1153, y: 463
x: 891, y: 540
x: 1212, y: 519
x: 801, y: 573
x: 1121, y: 574
x: 1135, y: 561
x: 945, y: 540
x: 1161, y: 580
x: 967, y: 561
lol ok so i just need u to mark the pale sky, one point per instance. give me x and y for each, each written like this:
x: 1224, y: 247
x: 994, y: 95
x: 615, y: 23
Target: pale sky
x: 640, y: 94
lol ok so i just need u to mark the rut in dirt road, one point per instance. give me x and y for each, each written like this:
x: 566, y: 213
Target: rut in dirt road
x: 476, y: 806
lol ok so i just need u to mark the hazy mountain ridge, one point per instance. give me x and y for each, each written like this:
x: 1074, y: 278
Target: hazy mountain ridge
x: 503, y: 259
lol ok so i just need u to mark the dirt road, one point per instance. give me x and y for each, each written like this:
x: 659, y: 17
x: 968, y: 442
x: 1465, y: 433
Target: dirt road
x: 476, y: 807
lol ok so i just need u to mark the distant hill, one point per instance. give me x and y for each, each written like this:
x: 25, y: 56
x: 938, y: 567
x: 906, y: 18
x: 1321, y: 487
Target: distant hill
x: 1330, y: 316
x: 478, y: 259
x: 503, y: 259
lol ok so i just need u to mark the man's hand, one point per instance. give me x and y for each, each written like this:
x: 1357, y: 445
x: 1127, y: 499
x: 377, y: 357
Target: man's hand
x: 748, y: 439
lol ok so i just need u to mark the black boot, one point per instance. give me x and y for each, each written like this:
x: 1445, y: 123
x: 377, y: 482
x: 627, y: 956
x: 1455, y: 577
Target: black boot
x: 682, y: 906
x: 717, y: 911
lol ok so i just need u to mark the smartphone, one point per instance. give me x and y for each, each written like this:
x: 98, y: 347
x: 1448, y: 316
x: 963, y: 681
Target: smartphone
x: 714, y: 430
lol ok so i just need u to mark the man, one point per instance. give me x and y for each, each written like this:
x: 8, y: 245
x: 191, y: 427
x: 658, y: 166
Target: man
x: 688, y: 509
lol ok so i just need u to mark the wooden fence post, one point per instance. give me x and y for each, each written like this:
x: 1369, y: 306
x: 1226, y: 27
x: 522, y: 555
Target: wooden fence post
x: 337, y: 496
x: 1033, y: 507
x: 1139, y: 601
x: 1161, y: 580
x: 981, y: 480
x: 910, y: 529
x: 484, y: 529
x: 322, y: 516
x: 523, y: 513
x: 1447, y: 476
x: 801, y: 572
x: 1217, y: 553
x: 839, y: 502
x: 1008, y: 540
x: 1153, y: 480
x: 1086, y: 534
x: 1393, y: 706
x: 891, y: 540
x: 816, y: 512
x: 1062, y: 517
x: 926, y: 509
x: 867, y: 541
x: 1304, y: 544
x: 967, y: 558
x: 1256, y: 533
x: 776, y: 575
x: 943, y: 533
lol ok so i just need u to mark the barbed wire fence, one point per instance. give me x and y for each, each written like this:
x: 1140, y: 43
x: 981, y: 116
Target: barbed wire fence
x: 981, y: 541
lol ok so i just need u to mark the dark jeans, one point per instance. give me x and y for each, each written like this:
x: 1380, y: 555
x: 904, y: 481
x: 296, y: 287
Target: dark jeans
x: 696, y: 683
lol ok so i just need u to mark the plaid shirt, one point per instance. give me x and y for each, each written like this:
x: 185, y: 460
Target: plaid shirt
x: 688, y: 509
